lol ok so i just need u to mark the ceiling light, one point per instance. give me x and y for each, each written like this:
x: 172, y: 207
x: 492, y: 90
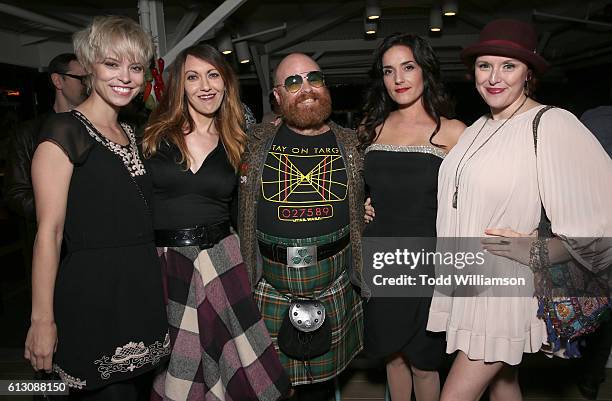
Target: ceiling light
x: 372, y: 10
x: 370, y: 27
x: 435, y: 19
x: 450, y: 7
x: 242, y: 52
x: 224, y: 44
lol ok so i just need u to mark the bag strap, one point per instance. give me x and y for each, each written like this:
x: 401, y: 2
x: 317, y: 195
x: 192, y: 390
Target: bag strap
x: 544, y: 227
x: 536, y: 123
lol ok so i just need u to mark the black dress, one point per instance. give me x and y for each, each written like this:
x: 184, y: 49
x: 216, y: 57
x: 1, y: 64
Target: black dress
x: 108, y: 304
x: 403, y: 182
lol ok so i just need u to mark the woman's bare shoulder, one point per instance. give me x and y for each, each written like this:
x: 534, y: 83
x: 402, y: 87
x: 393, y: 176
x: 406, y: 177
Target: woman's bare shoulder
x: 450, y: 131
x: 452, y: 126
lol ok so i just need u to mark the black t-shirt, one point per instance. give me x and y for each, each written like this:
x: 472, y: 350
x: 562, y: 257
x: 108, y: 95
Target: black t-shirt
x: 304, y: 189
x: 182, y: 199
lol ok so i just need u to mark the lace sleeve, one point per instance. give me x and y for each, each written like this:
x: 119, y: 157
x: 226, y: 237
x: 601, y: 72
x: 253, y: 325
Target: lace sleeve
x: 69, y: 134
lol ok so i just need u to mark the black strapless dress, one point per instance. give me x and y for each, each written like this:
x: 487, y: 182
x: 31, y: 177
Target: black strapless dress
x: 403, y: 182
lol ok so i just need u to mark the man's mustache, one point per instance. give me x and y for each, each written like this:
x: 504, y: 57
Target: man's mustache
x: 305, y: 96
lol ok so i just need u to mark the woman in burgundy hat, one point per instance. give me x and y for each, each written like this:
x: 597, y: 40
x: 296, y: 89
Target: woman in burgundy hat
x: 492, y: 185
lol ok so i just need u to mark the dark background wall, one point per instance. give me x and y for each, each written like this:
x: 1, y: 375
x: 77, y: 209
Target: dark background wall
x: 577, y: 91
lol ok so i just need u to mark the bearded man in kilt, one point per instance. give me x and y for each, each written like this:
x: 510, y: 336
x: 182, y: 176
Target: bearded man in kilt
x: 301, y: 215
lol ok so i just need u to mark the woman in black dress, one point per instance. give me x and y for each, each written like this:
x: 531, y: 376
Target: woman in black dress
x: 101, y: 311
x: 194, y: 140
x: 405, y: 139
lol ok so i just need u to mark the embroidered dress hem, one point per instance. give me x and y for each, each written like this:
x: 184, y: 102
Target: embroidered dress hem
x: 132, y: 359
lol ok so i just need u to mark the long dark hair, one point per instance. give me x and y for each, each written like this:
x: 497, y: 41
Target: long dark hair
x: 378, y: 104
x: 171, y: 119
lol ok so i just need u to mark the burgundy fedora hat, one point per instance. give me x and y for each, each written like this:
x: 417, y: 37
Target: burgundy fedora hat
x: 510, y: 38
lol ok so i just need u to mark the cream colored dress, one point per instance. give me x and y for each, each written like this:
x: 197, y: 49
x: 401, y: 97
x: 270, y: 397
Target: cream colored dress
x: 498, y: 188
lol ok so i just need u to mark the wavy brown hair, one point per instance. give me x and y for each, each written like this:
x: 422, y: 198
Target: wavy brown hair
x: 170, y: 121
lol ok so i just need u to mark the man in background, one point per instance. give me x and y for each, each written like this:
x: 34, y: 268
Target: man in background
x: 599, y: 122
x: 67, y: 77
x: 592, y: 365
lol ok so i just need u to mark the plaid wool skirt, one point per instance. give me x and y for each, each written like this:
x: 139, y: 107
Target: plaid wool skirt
x: 342, y: 306
x: 221, y: 349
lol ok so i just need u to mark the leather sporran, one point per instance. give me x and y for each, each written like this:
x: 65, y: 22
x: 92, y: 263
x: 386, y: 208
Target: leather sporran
x: 305, y: 332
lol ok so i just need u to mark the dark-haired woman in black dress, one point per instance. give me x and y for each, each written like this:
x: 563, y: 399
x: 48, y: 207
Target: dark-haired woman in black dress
x: 405, y: 139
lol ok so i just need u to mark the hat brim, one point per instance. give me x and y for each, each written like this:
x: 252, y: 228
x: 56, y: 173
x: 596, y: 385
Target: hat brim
x: 534, y: 60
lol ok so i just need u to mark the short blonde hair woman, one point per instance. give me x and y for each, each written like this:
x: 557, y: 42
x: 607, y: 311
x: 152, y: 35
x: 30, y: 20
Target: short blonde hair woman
x: 98, y: 317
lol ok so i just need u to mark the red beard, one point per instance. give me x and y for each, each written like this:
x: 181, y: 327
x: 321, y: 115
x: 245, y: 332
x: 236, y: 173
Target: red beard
x: 307, y: 116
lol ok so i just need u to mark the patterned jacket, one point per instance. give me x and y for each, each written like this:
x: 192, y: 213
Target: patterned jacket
x: 253, y: 159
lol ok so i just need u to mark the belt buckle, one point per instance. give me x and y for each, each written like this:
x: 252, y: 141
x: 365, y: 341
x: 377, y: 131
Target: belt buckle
x: 301, y: 256
x: 202, y: 238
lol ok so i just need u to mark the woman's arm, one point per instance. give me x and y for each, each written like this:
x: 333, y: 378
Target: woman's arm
x: 574, y: 176
x: 51, y: 174
x: 557, y: 253
x: 517, y: 246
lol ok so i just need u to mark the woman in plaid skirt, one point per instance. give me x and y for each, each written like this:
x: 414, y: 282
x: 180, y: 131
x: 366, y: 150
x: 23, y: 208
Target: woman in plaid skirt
x: 220, y: 346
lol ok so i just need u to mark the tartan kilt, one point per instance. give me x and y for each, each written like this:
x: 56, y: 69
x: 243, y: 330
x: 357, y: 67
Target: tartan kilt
x: 342, y: 307
x: 221, y: 349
